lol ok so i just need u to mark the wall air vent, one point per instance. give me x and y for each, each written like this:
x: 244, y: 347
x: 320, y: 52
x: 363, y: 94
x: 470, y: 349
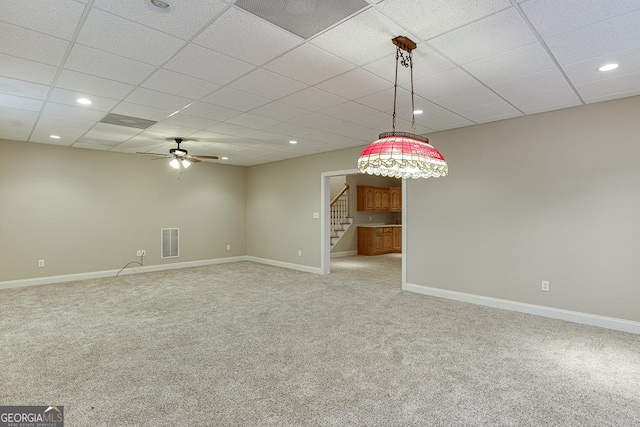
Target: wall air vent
x: 128, y: 121
x: 170, y: 243
x: 302, y: 17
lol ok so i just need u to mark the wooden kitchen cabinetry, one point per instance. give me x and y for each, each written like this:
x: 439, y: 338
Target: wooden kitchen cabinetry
x: 395, y: 199
x: 379, y: 240
x: 374, y: 199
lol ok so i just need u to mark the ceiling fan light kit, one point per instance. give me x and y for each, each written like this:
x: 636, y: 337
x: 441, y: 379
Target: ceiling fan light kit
x: 402, y: 154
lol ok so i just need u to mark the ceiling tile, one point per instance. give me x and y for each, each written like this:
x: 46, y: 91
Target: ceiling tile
x: 611, y: 88
x: 58, y: 18
x: 19, y: 102
x: 490, y: 36
x: 236, y: 99
x: 210, y: 111
x: 114, y: 34
x: 141, y: 111
x: 202, y: 63
x: 14, y: 133
x: 21, y: 88
x: 426, y: 62
x: 445, y: 83
x: 309, y: 65
x: 317, y: 121
x: 490, y: 112
x: 229, y: 129
x: 312, y: 99
x: 58, y: 124
x: 109, y: 132
x: 587, y: 71
x: 251, y: 121
x: 370, y: 32
x: 267, y: 84
x: 27, y: 44
x: 102, y: 64
x: 73, y: 112
x: 446, y: 120
x: 349, y: 111
x: 468, y: 99
x: 383, y: 101
x: 613, y: 35
x: 152, y: 98
x: 552, y: 17
x: 179, y: 84
x: 93, y: 85
x: 429, y: 19
x: 17, y: 118
x: 24, y: 69
x: 512, y: 64
x: 286, y: 128
x: 244, y: 36
x: 378, y: 121
x: 69, y: 97
x: 279, y: 111
x: 354, y: 84
x: 67, y: 137
x: 183, y: 19
x: 188, y: 121
x: 92, y: 144
x: 177, y: 131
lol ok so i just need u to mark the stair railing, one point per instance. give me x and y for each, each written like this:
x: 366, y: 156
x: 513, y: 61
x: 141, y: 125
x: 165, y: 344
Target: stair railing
x: 339, y: 210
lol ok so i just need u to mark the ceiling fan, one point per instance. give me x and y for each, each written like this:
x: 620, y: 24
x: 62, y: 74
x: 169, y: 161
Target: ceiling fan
x: 181, y: 159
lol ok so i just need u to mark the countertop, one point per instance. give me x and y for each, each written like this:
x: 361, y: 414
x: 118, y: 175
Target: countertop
x: 379, y: 225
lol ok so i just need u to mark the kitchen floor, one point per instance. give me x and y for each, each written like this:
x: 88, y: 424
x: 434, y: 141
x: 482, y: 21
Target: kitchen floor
x: 383, y: 269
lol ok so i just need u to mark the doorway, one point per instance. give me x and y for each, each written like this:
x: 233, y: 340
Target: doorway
x: 356, y: 262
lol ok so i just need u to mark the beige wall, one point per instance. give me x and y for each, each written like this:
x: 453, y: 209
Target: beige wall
x: 281, y: 199
x: 553, y: 196
x: 85, y: 210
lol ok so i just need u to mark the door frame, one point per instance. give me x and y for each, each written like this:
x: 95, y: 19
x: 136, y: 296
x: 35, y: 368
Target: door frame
x: 325, y: 238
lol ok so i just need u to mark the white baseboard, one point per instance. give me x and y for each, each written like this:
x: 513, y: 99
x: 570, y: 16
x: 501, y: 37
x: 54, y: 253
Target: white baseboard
x: 343, y: 254
x: 539, y: 310
x: 110, y: 273
x: 291, y: 266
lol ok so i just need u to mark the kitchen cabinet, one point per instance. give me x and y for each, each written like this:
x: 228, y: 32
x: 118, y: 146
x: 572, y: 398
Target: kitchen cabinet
x: 395, y: 199
x: 376, y: 240
x: 374, y: 199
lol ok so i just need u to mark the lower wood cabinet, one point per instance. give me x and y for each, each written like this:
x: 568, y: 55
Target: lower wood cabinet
x: 379, y: 240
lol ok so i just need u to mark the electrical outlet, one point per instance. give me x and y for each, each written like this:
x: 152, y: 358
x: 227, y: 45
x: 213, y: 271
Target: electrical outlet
x: 545, y: 286
x: 299, y: 253
x: 228, y: 247
x: 40, y: 263
x: 141, y: 252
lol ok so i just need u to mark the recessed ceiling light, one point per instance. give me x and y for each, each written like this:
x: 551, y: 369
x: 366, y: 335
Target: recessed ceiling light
x: 293, y: 142
x: 224, y: 158
x: 608, y: 67
x: 54, y: 136
x: 83, y: 101
x: 418, y: 111
x: 159, y: 3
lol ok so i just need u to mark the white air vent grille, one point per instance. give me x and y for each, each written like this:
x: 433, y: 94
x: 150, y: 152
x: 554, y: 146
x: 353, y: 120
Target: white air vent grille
x: 170, y: 243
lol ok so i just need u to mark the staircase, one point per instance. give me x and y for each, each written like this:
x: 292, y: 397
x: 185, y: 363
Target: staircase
x: 340, y: 221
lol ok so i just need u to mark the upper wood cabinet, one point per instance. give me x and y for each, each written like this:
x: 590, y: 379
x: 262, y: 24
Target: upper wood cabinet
x: 379, y: 199
x: 395, y: 199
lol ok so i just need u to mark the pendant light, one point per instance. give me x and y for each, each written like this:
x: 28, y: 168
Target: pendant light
x: 402, y: 154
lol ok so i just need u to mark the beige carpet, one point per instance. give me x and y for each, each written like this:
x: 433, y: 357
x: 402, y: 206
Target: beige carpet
x: 246, y: 344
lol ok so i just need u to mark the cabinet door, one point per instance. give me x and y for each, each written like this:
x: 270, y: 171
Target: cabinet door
x: 388, y: 240
x: 385, y: 199
x: 397, y: 239
x: 395, y: 199
x: 378, y: 241
x: 369, y: 199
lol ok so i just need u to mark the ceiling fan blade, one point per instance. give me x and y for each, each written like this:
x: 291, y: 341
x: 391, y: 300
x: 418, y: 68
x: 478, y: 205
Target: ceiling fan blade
x: 192, y: 159
x: 153, y: 154
x: 196, y: 156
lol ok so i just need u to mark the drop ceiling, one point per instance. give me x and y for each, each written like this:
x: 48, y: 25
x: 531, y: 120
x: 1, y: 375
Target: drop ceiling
x: 243, y: 86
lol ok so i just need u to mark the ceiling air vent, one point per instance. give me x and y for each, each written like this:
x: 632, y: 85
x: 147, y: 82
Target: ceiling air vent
x: 170, y: 243
x: 128, y: 121
x: 302, y: 17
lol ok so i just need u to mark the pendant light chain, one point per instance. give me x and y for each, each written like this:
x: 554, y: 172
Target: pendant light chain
x: 413, y: 106
x: 395, y: 88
